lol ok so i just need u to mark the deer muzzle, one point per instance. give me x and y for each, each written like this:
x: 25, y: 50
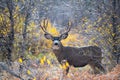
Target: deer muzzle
x: 56, y: 45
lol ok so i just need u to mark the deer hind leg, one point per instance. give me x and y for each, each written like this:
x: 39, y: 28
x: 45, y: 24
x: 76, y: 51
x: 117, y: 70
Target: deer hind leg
x: 100, y: 67
x: 94, y: 70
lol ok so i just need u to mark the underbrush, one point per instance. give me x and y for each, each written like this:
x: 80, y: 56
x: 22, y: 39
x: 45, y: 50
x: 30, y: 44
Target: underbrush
x: 54, y: 72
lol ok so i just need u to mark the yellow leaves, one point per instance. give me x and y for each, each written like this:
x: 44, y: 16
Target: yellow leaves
x: 99, y: 29
x: 89, y: 26
x: 67, y: 64
x: 110, y: 25
x: 70, y: 38
x: 96, y: 44
x: 48, y: 61
x: 110, y: 40
x: 6, y: 9
x: 4, y: 32
x: 44, y: 60
x: 34, y: 78
x: 53, y: 30
x: 64, y: 65
x: 15, y: 15
x: 29, y: 48
x: 20, y: 60
x: 83, y: 25
x: 41, y: 62
x: 113, y: 34
x: 17, y: 8
x: 28, y: 72
x: 19, y: 23
x: 86, y: 31
x: 99, y: 19
x: 85, y: 19
x: 32, y: 24
x: 60, y: 66
x: 90, y: 42
x: 94, y: 23
x: 1, y: 18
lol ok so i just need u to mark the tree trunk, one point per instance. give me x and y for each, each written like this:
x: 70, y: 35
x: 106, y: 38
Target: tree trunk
x: 11, y: 34
x: 116, y: 23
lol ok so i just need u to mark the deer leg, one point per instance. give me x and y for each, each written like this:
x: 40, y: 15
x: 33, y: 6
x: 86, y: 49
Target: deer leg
x: 100, y: 67
x: 94, y: 70
x: 67, y: 70
x: 64, y: 74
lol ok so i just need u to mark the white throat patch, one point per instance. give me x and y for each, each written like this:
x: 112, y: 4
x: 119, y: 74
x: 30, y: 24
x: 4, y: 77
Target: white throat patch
x: 56, y: 41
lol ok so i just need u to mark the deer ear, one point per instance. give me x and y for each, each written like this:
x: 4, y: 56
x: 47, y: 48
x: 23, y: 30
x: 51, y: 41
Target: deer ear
x: 48, y: 36
x: 63, y: 36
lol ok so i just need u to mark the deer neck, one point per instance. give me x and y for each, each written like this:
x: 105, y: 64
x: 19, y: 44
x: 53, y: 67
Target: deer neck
x: 59, y: 51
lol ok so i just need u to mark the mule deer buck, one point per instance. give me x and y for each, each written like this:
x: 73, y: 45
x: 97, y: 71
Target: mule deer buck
x: 76, y: 57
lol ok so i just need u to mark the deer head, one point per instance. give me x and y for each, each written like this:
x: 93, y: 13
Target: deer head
x: 57, y: 45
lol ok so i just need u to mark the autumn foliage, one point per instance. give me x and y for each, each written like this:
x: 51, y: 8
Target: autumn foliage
x: 94, y: 23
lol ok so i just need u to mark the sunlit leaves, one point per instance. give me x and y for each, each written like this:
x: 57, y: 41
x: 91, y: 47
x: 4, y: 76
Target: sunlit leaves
x: 6, y: 10
x: 44, y: 58
x: 17, y: 8
x: 48, y: 61
x: 64, y: 65
x: 41, y: 62
x: 20, y: 60
x: 44, y: 61
x: 99, y: 19
x: 71, y: 39
x: 34, y: 78
x: 4, y: 22
x: 28, y: 72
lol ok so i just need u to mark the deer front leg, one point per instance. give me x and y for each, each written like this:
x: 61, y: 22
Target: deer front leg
x: 67, y: 70
x: 65, y: 66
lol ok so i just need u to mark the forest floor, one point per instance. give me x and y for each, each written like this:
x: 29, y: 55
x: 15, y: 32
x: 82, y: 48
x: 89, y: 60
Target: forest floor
x: 54, y: 72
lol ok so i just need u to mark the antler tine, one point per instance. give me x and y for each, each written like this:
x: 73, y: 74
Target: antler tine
x: 68, y: 27
x: 44, y: 27
x: 46, y: 23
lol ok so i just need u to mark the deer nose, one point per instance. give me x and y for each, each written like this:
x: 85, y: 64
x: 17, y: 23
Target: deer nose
x: 55, y: 43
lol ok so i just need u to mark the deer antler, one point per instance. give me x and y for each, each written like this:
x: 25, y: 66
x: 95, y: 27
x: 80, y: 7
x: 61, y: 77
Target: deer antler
x: 44, y: 27
x: 68, y: 28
